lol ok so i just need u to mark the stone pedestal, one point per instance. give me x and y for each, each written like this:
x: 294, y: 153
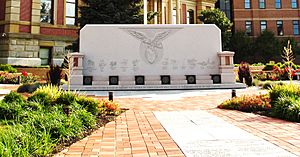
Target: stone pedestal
x: 226, y: 67
x: 76, y: 68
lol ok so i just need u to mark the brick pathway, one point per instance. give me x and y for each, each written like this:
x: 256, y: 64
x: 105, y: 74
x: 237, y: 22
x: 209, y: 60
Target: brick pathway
x: 138, y: 133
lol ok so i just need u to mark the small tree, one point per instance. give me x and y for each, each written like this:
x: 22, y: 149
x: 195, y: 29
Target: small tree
x: 218, y: 17
x: 266, y: 47
x: 111, y: 12
x: 242, y: 45
x: 288, y: 59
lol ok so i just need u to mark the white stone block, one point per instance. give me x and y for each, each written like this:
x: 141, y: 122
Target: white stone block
x: 126, y: 82
x: 152, y: 82
x: 21, y: 61
x: 77, y: 80
x: 204, y: 81
x: 228, y: 78
x: 100, y: 83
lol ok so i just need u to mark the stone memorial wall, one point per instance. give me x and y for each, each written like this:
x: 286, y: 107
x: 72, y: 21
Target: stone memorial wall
x: 128, y: 56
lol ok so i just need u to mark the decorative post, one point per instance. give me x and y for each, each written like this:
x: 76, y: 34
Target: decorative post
x: 76, y: 68
x: 226, y: 67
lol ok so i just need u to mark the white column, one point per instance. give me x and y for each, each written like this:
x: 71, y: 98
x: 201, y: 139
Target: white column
x: 163, y: 12
x: 170, y: 12
x: 177, y: 11
x: 145, y: 12
x: 155, y: 10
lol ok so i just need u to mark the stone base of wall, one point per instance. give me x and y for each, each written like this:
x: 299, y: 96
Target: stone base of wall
x: 23, y: 49
x: 21, y: 61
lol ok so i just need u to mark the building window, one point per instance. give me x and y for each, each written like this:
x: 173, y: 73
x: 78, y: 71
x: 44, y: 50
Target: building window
x: 278, y: 4
x: 296, y: 27
x: 294, y: 4
x: 279, y: 28
x: 247, y: 4
x: 190, y: 17
x: 207, y: 7
x: 174, y: 16
x: 70, y: 12
x: 45, y: 56
x: 248, y: 25
x: 46, y: 11
x: 262, y: 4
x: 263, y: 26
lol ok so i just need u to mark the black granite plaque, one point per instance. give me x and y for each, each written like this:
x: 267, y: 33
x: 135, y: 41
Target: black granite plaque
x: 113, y: 80
x: 140, y: 80
x: 165, y: 79
x: 87, y: 80
x: 191, y: 79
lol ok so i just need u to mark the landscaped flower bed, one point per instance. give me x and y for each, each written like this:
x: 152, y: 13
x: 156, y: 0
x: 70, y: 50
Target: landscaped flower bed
x: 48, y: 120
x: 282, y: 101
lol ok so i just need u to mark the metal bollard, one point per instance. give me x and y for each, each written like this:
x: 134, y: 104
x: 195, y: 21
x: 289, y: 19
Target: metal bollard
x: 110, y: 96
x: 233, y: 93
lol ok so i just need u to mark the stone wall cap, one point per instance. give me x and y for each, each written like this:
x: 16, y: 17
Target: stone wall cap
x: 226, y: 53
x: 77, y: 54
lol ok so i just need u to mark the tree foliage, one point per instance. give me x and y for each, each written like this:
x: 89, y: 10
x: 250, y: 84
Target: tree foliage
x: 242, y: 45
x: 111, y: 12
x: 217, y: 17
x: 266, y: 47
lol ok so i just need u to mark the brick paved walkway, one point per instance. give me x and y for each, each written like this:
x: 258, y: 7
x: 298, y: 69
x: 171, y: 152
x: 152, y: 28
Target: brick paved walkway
x: 138, y: 133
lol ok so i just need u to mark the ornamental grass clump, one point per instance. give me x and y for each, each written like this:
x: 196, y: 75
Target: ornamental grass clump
x: 287, y: 107
x: 48, y: 120
x: 248, y: 103
x: 276, y: 91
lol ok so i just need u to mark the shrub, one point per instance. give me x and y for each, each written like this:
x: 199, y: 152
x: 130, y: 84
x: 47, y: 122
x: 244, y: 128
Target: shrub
x: 89, y: 104
x: 67, y: 98
x: 88, y: 119
x: 25, y: 140
x: 41, y: 98
x: 7, y: 68
x: 252, y: 103
x: 14, y: 97
x: 10, y: 110
x: 286, y: 89
x: 268, y: 67
x: 53, y: 91
x: 267, y: 85
x: 287, y: 107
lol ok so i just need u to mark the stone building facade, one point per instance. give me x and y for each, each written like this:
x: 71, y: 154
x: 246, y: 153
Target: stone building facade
x: 279, y: 16
x: 178, y: 11
x: 36, y: 32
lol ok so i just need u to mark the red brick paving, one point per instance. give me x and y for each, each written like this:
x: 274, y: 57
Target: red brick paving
x: 137, y: 133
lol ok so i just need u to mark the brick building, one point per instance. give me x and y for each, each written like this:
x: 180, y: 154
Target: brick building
x: 36, y: 32
x: 254, y: 16
x: 178, y: 11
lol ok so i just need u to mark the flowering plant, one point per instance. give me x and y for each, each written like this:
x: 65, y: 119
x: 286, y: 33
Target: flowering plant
x: 27, y: 78
x: 248, y: 103
x: 109, y: 107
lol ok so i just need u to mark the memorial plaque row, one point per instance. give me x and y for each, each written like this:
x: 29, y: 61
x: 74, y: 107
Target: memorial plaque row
x: 140, y: 79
